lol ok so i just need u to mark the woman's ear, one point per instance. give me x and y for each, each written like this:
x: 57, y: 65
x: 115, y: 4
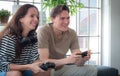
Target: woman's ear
x: 21, y: 19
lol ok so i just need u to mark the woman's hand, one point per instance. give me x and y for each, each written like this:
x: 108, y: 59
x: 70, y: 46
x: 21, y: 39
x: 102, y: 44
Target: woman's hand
x: 35, y: 67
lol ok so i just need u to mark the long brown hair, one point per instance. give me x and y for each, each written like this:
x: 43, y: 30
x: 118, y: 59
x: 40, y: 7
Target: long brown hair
x: 14, y: 26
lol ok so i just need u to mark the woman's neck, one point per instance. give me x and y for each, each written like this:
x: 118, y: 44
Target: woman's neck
x: 24, y: 33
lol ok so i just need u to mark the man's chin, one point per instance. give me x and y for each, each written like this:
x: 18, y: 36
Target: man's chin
x: 65, y: 29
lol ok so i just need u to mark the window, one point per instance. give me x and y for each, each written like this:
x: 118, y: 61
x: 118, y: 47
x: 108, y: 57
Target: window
x: 87, y: 24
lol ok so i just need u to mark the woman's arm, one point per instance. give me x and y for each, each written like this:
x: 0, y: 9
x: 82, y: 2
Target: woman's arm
x: 35, y: 67
x: 7, y: 52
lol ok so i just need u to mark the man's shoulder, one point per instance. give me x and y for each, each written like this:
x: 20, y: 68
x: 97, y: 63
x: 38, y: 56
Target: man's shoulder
x: 71, y: 30
x: 43, y: 27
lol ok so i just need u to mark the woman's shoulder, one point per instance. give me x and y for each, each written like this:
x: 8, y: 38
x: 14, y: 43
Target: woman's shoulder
x: 9, y: 37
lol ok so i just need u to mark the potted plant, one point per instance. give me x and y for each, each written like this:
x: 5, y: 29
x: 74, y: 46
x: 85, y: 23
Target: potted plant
x: 73, y: 5
x: 4, y: 15
x: 47, y: 5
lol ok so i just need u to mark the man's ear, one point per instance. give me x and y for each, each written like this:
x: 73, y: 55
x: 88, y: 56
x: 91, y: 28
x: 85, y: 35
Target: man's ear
x: 52, y: 19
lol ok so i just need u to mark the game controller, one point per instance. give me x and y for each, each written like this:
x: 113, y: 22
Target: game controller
x: 47, y: 66
x: 83, y: 53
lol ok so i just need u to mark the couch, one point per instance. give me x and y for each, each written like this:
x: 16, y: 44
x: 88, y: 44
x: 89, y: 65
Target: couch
x: 102, y: 71
x: 107, y: 71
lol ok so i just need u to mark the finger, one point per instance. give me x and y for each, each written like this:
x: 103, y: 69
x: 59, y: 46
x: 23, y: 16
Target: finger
x: 89, y: 52
x: 77, y: 55
x: 41, y: 70
x: 40, y: 63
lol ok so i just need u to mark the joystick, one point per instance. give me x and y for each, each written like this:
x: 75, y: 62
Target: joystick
x: 47, y: 66
x: 83, y: 53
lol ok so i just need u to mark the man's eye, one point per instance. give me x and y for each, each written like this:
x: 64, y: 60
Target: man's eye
x: 68, y: 18
x: 62, y: 18
x: 32, y: 16
x: 37, y: 17
x: 65, y: 18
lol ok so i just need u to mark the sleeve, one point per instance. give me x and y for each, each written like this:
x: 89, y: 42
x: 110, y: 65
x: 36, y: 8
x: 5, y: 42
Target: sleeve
x: 6, y: 53
x: 34, y: 55
x: 42, y: 35
x: 74, y: 42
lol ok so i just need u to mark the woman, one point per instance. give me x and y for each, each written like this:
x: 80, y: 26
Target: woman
x: 18, y: 43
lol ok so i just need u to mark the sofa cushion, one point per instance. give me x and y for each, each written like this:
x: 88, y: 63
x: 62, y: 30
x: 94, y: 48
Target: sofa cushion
x: 107, y: 71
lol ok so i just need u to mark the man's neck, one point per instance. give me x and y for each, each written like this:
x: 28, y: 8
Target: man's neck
x: 58, y: 33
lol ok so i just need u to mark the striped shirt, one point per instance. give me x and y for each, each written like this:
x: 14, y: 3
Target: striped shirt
x: 7, y: 53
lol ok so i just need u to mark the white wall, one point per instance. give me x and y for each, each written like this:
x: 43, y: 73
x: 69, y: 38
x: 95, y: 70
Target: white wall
x: 1, y: 27
x: 115, y: 34
x: 111, y: 33
x: 106, y: 35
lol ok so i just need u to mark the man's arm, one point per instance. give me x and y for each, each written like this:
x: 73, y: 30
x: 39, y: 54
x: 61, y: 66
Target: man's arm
x: 81, y: 60
x: 44, y: 56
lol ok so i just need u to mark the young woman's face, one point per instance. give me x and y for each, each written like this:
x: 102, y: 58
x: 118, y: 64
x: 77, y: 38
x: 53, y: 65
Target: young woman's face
x: 61, y: 21
x: 30, y: 20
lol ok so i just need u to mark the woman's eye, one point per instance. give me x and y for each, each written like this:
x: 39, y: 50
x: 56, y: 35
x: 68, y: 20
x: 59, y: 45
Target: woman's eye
x: 32, y: 15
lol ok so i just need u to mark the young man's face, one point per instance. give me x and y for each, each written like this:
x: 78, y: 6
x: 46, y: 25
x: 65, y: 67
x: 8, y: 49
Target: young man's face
x: 61, y: 21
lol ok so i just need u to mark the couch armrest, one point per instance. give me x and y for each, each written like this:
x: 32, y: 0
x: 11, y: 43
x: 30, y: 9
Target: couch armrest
x: 107, y: 71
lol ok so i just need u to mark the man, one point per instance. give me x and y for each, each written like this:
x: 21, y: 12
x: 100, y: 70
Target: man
x: 54, y: 41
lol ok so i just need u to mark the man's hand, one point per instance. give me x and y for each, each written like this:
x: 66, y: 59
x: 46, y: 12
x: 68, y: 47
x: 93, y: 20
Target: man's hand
x: 73, y: 58
x: 82, y: 60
